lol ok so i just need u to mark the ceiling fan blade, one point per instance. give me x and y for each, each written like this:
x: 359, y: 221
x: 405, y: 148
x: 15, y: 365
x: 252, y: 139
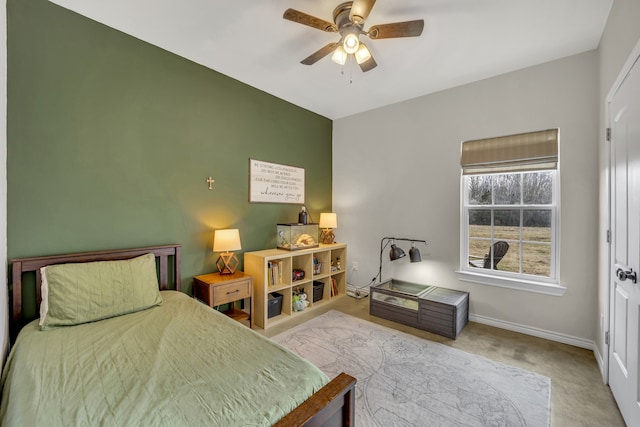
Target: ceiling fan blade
x: 368, y: 65
x: 397, y: 29
x: 360, y: 9
x: 319, y: 54
x: 311, y: 21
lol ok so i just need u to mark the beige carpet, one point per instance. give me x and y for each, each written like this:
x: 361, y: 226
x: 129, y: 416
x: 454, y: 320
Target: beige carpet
x: 404, y: 380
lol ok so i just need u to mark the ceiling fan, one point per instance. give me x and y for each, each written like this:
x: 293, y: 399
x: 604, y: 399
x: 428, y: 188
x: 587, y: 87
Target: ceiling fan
x: 349, y: 18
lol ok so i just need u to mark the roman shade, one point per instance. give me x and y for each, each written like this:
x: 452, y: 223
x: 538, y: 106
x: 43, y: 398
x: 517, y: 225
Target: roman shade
x: 523, y: 152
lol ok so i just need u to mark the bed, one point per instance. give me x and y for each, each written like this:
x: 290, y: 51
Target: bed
x: 150, y: 358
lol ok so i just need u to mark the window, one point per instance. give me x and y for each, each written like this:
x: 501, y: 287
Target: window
x: 517, y: 209
x: 510, y: 208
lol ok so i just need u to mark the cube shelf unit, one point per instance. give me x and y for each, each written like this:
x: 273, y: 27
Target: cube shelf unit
x: 272, y: 270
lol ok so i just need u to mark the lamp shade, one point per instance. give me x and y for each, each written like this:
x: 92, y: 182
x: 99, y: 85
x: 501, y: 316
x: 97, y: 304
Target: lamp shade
x: 339, y: 56
x: 362, y: 54
x: 226, y: 240
x: 414, y: 254
x: 328, y: 220
x: 396, y: 252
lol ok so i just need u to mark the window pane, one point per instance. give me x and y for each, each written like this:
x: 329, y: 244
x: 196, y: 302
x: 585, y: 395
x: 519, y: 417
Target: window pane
x: 536, y: 259
x: 537, y: 225
x: 511, y: 260
x: 506, y: 189
x: 506, y: 224
x: 480, y: 223
x: 477, y: 251
x: 537, y: 188
x: 479, y: 190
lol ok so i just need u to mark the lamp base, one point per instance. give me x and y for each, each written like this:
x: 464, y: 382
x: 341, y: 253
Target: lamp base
x: 227, y: 263
x: 327, y: 236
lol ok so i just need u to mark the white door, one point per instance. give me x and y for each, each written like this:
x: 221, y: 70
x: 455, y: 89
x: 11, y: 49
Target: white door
x: 624, y: 381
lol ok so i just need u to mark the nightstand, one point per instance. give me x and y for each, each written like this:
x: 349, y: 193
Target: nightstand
x: 215, y: 289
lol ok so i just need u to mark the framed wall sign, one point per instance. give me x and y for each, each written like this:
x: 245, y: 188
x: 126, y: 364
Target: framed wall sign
x: 275, y: 183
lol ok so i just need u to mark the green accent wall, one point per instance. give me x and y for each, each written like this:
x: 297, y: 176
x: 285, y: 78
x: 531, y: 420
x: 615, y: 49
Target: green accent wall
x: 111, y: 139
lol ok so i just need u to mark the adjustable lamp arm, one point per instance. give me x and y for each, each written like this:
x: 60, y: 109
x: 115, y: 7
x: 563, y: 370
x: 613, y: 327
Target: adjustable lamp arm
x: 406, y: 240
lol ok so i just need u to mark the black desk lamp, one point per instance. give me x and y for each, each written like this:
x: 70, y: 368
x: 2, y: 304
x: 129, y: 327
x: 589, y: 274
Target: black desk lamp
x: 397, y: 253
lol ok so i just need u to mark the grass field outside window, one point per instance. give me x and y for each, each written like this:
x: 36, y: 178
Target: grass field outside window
x: 534, y: 250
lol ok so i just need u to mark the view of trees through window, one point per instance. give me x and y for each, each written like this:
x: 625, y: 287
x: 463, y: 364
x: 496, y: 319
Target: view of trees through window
x: 515, y: 208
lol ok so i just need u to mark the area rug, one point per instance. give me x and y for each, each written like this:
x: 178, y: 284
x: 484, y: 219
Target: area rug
x: 404, y: 380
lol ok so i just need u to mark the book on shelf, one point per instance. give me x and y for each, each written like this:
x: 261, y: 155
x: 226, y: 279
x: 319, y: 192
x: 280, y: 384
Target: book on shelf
x: 334, y: 287
x: 275, y: 272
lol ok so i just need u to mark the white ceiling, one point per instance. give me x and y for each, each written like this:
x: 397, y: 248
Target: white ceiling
x: 463, y: 41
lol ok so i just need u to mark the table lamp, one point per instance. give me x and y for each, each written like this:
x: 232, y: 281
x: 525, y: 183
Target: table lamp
x: 226, y: 241
x: 328, y: 221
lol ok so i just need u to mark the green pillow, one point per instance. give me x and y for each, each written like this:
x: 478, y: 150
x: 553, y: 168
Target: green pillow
x: 86, y: 292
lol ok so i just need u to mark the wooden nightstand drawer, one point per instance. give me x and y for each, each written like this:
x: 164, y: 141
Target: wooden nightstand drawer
x: 232, y: 292
x: 216, y: 289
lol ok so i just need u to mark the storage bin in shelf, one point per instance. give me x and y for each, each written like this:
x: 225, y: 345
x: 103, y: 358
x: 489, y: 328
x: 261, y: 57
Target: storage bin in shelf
x: 274, y: 304
x: 318, y: 291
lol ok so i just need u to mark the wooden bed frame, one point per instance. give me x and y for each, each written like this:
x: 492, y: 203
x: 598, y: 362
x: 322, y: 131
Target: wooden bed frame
x: 333, y: 405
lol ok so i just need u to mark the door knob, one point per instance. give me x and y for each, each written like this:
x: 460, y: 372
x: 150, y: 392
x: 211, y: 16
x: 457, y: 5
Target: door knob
x: 623, y: 272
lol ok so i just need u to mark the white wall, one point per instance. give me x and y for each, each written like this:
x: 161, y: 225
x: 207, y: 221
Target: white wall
x: 620, y: 35
x: 396, y: 173
x: 4, y: 307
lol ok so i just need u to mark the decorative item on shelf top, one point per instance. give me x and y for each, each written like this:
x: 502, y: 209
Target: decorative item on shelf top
x: 303, y: 216
x: 226, y: 241
x: 294, y: 237
x: 397, y: 253
x: 328, y: 221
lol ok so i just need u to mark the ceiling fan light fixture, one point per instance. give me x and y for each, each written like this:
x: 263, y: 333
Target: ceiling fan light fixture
x: 351, y: 43
x: 362, y: 54
x: 339, y: 56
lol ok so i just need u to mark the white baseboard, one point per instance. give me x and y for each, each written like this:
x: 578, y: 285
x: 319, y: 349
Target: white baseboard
x: 536, y: 332
x: 600, y: 362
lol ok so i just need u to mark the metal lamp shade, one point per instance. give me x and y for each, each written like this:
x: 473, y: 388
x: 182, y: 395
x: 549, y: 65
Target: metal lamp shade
x: 396, y: 253
x: 414, y: 255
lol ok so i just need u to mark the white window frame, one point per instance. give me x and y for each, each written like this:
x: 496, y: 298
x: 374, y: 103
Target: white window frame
x: 520, y: 281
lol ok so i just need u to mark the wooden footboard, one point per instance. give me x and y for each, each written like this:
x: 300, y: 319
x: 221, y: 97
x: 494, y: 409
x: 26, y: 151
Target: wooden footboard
x: 333, y: 405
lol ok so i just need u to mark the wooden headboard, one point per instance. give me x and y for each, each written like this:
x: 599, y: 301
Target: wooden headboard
x: 166, y: 254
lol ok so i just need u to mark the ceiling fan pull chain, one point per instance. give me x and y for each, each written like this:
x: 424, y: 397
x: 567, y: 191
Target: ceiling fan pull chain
x: 351, y: 65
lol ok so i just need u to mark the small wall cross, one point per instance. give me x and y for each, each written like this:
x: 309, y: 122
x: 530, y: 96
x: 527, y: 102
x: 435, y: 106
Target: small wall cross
x: 210, y: 181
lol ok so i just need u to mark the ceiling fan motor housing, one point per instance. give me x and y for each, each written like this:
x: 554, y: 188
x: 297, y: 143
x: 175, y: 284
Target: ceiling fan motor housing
x: 341, y: 15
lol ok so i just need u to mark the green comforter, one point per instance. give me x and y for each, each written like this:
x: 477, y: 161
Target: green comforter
x: 177, y: 364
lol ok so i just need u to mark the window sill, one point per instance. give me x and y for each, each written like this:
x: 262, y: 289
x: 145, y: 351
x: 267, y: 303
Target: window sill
x: 516, y: 284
